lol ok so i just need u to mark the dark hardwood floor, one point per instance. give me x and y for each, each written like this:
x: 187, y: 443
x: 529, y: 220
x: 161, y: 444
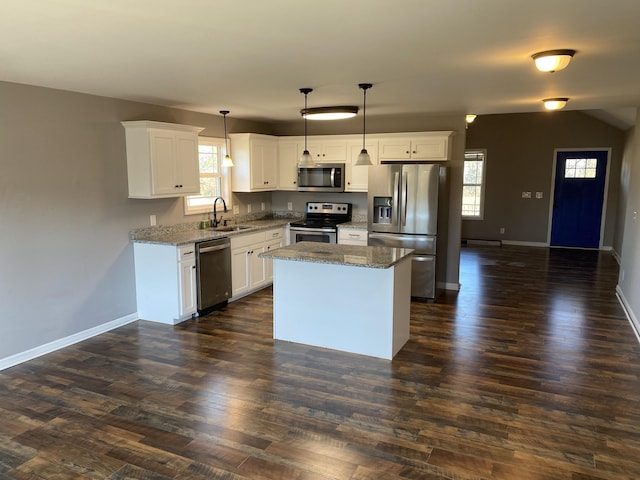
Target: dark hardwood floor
x: 530, y: 372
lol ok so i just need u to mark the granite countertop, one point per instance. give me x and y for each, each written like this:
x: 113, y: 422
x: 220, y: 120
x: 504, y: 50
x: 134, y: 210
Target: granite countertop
x: 336, y: 254
x: 362, y: 225
x: 172, y: 236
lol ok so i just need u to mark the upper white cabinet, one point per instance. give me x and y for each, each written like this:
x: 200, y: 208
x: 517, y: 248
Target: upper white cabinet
x: 162, y: 159
x: 289, y: 152
x: 255, y: 159
x: 429, y: 146
x: 330, y: 149
x: 357, y: 176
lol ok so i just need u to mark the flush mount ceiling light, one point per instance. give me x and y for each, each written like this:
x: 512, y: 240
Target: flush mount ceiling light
x: 226, y: 161
x: 557, y: 103
x: 329, y: 113
x: 305, y: 158
x: 364, y: 158
x: 469, y: 118
x: 552, y: 60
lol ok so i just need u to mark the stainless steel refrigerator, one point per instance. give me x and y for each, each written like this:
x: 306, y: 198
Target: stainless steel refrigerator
x: 403, y: 212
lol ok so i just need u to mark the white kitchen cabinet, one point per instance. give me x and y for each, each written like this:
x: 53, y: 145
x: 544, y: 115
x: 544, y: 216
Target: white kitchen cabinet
x: 187, y: 281
x: 426, y: 146
x: 249, y: 272
x: 274, y: 239
x: 288, y: 157
x: 357, y: 176
x: 352, y: 236
x: 162, y: 159
x: 165, y: 282
x: 332, y: 149
x: 255, y: 159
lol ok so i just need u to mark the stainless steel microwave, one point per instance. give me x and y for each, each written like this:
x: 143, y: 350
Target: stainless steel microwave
x: 321, y: 177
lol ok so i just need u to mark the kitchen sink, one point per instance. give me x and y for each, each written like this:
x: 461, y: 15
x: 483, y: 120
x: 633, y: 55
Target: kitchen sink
x: 236, y: 228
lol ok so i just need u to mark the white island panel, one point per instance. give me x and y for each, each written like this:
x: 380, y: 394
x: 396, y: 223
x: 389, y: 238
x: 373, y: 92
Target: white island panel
x: 353, y: 309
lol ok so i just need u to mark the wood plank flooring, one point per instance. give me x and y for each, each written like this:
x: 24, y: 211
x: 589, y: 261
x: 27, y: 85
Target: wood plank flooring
x: 530, y: 372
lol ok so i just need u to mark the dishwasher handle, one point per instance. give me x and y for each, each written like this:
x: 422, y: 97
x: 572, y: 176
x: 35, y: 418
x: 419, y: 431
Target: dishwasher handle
x: 215, y: 248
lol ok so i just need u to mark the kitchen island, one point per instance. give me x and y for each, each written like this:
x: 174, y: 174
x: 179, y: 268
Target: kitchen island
x: 344, y: 297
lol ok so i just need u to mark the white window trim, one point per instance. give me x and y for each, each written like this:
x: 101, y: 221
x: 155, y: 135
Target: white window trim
x: 483, y: 184
x: 225, y: 179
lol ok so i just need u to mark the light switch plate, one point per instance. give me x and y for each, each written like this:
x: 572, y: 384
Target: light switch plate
x: 538, y: 195
x: 526, y: 194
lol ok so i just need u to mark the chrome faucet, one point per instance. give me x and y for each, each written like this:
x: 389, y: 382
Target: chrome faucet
x: 216, y: 222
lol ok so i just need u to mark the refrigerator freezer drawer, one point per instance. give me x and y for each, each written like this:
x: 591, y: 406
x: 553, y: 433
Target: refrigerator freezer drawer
x: 423, y: 276
x: 422, y: 244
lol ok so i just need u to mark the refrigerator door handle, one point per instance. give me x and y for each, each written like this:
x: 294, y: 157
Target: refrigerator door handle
x: 405, y: 183
x: 395, y: 214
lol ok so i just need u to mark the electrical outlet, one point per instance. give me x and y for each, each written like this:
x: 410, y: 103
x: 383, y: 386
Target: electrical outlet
x: 262, y: 206
x: 152, y: 220
x: 248, y: 208
x: 236, y: 209
x: 526, y: 194
x: 501, y: 230
x: 289, y: 206
x: 538, y: 195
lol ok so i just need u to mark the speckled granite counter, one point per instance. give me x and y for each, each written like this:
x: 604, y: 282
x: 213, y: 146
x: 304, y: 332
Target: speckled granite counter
x: 348, y: 255
x: 172, y: 235
x: 367, y: 309
x: 362, y: 225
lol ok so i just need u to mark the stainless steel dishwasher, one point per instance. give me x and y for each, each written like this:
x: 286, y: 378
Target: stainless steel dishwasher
x: 213, y: 273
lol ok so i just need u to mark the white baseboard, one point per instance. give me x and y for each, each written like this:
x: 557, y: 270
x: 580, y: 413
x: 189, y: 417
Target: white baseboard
x: 65, y: 342
x: 448, y: 286
x: 633, y: 320
x: 525, y: 244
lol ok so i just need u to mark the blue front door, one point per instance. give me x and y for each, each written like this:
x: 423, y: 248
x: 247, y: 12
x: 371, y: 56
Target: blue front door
x: 578, y: 198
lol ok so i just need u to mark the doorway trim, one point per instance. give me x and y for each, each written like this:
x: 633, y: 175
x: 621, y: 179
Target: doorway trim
x: 605, y: 194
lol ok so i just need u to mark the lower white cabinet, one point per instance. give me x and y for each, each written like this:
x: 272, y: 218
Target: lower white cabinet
x: 275, y: 239
x: 352, y: 236
x: 249, y: 272
x: 165, y: 282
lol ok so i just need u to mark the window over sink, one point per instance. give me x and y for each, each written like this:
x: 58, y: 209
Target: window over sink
x: 215, y: 180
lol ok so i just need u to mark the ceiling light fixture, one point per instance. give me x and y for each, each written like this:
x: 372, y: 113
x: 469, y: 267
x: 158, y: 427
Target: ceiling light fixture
x: 226, y: 161
x: 552, y: 60
x: 329, y: 113
x: 305, y: 159
x: 364, y: 158
x: 469, y: 118
x: 557, y: 103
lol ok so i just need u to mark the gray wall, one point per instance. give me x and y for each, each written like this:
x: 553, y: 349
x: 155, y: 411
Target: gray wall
x: 520, y: 154
x: 65, y: 257
x: 629, y: 280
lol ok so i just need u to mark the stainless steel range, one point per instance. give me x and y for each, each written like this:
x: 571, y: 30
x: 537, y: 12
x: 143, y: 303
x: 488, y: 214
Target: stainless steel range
x: 321, y: 222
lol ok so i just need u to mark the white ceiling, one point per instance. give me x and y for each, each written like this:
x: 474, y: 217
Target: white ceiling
x: 252, y: 56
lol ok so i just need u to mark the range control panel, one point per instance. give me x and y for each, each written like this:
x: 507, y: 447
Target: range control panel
x: 329, y: 208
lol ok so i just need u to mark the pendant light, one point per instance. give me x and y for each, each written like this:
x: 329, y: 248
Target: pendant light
x: 306, y: 159
x: 226, y: 162
x: 364, y: 158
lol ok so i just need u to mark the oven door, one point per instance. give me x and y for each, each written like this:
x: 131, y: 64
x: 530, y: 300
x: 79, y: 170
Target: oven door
x: 308, y: 234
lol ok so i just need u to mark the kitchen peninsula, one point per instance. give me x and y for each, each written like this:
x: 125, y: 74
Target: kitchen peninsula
x: 344, y: 297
